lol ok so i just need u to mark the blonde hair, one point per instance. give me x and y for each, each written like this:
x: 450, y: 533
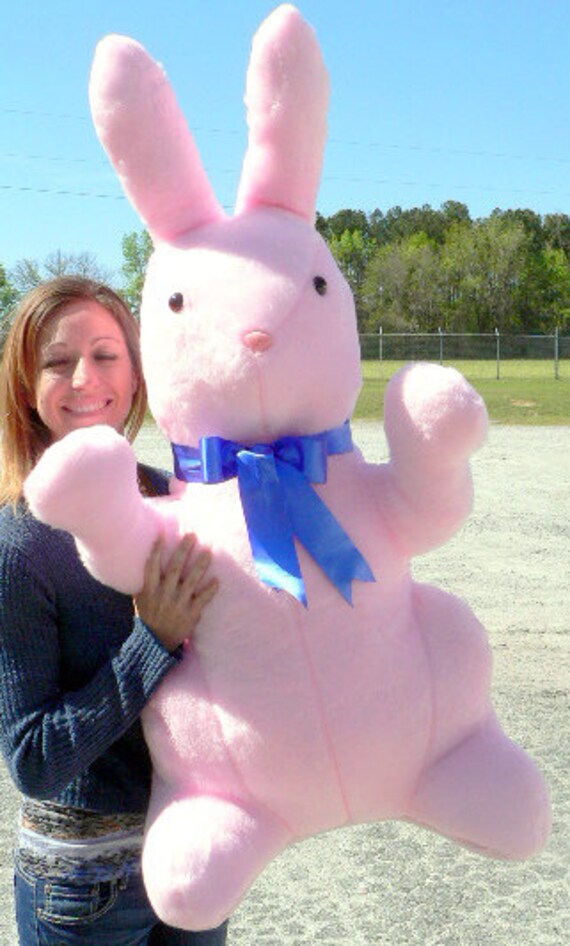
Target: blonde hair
x: 24, y: 435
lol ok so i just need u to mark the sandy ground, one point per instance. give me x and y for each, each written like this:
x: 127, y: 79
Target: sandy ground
x: 398, y: 885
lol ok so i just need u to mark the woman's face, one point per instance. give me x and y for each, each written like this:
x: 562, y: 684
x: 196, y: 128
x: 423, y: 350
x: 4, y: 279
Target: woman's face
x: 85, y: 374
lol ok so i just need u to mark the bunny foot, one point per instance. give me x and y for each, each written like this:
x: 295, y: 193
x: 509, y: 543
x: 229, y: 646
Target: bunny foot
x: 201, y: 855
x: 487, y: 795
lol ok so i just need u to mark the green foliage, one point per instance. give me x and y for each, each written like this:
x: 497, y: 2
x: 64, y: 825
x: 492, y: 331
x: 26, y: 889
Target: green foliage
x: 422, y: 269
x: 8, y: 298
x: 8, y: 292
x: 137, y: 248
x: 353, y: 251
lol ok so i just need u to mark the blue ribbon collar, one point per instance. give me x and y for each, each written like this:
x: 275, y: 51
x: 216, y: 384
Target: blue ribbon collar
x: 280, y: 504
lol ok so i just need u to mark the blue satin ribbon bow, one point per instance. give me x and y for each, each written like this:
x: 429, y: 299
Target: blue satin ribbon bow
x: 280, y: 504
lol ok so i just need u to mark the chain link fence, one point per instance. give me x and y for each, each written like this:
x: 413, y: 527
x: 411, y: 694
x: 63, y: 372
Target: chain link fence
x: 544, y: 354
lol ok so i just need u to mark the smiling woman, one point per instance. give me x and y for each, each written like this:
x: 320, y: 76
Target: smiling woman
x: 71, y: 360
x: 78, y: 661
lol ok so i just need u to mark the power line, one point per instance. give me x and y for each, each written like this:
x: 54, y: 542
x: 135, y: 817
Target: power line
x: 463, y: 152
x: 54, y: 158
x: 30, y: 112
x: 353, y: 143
x: 450, y: 188
x: 60, y: 193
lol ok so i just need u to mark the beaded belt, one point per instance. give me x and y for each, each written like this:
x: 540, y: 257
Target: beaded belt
x: 59, y: 842
x: 74, y: 824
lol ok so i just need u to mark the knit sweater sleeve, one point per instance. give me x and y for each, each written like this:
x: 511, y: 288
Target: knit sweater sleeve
x: 50, y: 734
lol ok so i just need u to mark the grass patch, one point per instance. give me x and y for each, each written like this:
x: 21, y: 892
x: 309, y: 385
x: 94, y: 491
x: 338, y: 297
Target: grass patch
x: 527, y: 391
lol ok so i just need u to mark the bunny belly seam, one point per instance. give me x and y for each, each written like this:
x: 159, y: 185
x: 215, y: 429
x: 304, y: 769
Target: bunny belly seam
x: 376, y: 691
x: 249, y: 726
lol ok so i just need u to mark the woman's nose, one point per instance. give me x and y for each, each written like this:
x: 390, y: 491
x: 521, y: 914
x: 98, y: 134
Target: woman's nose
x: 82, y: 373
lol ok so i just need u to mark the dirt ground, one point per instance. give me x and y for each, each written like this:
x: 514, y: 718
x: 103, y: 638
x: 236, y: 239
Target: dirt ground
x: 395, y: 884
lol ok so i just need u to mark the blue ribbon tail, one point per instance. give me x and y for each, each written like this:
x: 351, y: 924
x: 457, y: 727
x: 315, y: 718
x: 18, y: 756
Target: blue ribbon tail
x: 269, y: 524
x: 321, y: 534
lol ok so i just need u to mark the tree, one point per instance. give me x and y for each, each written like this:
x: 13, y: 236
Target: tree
x: 423, y: 268
x: 557, y: 232
x: 8, y: 297
x: 8, y: 292
x: 137, y: 248
x: 455, y: 212
x: 350, y: 220
x: 402, y: 288
x: 486, y: 268
x: 28, y: 273
x: 556, y: 294
x: 353, y: 252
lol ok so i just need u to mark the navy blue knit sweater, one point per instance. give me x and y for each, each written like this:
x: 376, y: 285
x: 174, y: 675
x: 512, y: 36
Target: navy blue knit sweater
x: 76, y: 669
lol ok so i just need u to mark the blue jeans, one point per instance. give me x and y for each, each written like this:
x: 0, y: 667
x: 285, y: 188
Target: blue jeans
x: 109, y: 913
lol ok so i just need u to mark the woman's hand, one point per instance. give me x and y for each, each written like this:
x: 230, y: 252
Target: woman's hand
x: 171, y: 601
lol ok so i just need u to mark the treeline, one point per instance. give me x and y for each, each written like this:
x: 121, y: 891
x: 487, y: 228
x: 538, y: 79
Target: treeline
x: 410, y: 270
x: 424, y: 269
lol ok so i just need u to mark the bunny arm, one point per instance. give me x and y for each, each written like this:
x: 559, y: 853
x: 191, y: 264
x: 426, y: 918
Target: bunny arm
x: 86, y: 484
x: 434, y: 420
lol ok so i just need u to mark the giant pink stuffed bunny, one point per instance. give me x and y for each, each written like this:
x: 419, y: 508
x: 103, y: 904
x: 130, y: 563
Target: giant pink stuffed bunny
x: 323, y: 687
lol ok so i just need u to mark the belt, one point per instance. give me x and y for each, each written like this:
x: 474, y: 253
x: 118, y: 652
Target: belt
x: 63, y: 823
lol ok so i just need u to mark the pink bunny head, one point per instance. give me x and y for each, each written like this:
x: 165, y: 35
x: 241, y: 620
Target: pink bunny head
x: 244, y: 317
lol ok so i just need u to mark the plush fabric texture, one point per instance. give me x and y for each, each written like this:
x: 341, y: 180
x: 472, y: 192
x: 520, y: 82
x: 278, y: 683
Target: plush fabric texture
x: 283, y: 721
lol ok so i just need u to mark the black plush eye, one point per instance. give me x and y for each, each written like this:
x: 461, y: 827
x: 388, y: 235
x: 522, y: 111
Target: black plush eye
x: 176, y: 301
x: 320, y: 284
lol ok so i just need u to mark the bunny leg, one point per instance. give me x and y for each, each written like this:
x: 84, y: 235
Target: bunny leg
x: 201, y: 855
x: 486, y: 794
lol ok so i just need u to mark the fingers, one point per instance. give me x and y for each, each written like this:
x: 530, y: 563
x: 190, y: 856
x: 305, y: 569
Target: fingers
x: 174, y: 570
x: 179, y: 580
x: 173, y: 597
x: 203, y: 597
x: 152, y: 569
x: 188, y: 586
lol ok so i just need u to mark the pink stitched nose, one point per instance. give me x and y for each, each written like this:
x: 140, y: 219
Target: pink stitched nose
x: 258, y: 341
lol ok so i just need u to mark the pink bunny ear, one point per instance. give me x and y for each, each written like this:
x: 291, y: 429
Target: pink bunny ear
x: 287, y: 101
x: 141, y: 127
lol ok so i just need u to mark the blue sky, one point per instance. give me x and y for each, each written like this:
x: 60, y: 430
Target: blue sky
x: 431, y: 101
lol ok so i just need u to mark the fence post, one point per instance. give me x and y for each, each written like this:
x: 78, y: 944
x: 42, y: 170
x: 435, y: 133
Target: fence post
x: 498, y: 337
x: 440, y: 345
x: 556, y: 353
x: 380, y: 343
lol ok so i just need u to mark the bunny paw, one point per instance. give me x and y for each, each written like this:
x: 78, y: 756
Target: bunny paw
x: 88, y: 475
x: 434, y: 411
